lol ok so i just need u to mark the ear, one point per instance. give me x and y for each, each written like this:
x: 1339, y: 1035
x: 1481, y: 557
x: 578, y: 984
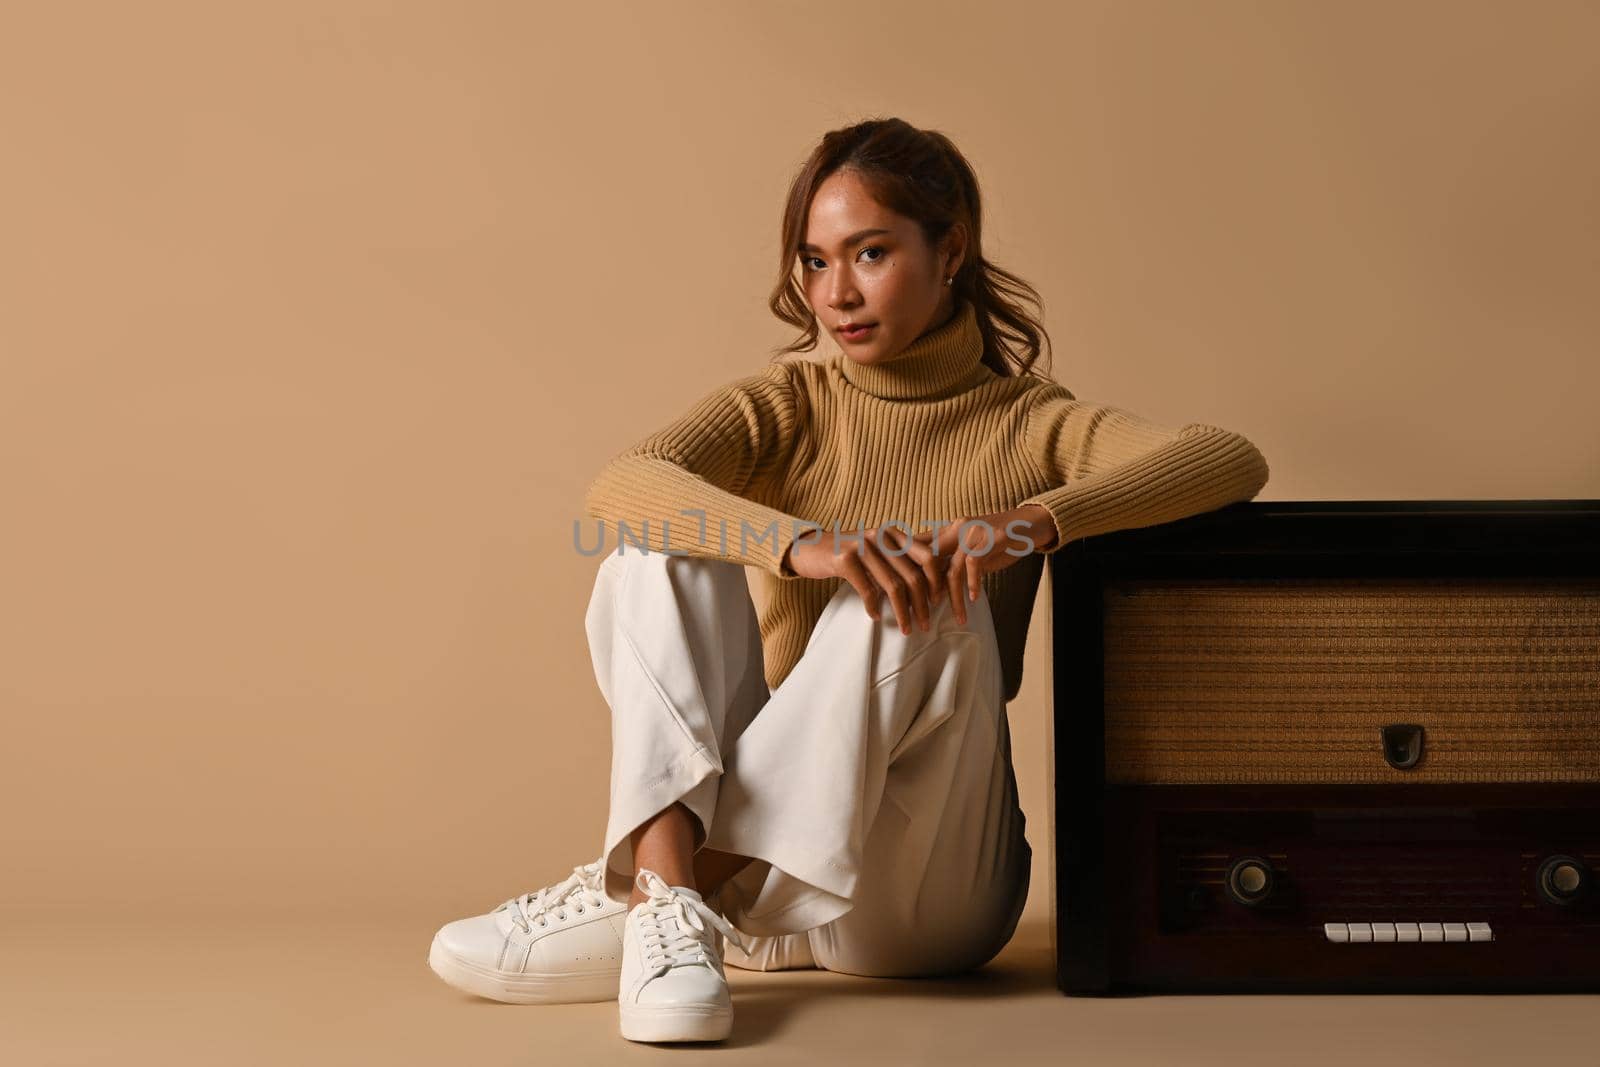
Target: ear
x: 953, y: 246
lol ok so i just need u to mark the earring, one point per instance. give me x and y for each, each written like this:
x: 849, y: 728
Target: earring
x: 949, y: 281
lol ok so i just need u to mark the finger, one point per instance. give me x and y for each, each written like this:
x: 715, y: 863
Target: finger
x: 916, y: 581
x: 945, y: 540
x: 895, y: 584
x: 941, y: 548
x: 855, y: 572
x: 955, y: 580
x: 889, y: 581
x: 974, y: 583
x: 919, y: 552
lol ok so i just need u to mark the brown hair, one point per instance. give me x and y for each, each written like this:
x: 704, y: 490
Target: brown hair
x: 922, y: 175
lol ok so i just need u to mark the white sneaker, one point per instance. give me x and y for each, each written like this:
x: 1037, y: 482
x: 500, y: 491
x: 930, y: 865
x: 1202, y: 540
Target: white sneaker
x: 673, y: 987
x: 557, y: 945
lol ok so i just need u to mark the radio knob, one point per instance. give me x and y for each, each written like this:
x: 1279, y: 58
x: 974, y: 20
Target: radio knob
x: 1250, y: 880
x: 1562, y: 879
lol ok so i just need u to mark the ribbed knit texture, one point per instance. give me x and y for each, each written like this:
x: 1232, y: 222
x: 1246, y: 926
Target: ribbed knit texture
x: 933, y: 434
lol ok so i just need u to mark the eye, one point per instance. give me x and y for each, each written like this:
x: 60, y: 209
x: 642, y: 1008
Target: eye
x: 806, y: 261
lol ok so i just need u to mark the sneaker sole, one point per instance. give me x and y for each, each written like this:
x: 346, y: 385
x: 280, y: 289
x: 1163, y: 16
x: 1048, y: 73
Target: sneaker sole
x: 586, y: 988
x: 687, y: 1022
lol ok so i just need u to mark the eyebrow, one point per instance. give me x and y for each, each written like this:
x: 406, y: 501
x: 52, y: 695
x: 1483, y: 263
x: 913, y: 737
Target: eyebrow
x: 848, y: 241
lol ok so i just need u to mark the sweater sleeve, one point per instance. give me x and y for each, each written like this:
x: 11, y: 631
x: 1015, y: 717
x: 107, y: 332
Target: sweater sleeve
x: 696, y: 485
x: 1114, y: 470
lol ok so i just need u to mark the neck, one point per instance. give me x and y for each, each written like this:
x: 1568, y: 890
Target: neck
x: 945, y: 359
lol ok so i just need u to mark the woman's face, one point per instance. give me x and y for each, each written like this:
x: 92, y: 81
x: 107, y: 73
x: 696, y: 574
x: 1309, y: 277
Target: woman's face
x: 862, y: 263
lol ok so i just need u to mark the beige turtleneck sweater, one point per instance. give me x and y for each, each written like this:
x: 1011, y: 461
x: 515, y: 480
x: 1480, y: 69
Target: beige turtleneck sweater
x: 931, y: 434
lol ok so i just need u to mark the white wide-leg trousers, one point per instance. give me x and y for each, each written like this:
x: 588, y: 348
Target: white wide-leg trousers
x: 873, y: 788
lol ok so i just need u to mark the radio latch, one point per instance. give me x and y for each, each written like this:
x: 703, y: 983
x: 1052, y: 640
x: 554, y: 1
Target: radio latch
x: 1402, y: 745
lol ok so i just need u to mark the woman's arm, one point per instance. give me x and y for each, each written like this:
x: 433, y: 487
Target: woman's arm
x: 1115, y: 471
x: 691, y: 486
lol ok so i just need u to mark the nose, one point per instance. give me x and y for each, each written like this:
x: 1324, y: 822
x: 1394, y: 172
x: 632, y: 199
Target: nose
x: 841, y: 291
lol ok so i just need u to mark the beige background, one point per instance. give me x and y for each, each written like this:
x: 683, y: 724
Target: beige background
x: 317, y: 318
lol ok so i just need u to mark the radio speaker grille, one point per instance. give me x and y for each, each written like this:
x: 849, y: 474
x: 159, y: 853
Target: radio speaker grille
x: 1292, y: 680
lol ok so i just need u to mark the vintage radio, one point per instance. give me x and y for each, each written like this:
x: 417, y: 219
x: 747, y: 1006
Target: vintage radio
x: 1330, y: 746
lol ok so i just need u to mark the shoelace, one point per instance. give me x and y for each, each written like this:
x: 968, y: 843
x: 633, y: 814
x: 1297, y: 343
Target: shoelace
x: 671, y: 922
x: 585, y: 885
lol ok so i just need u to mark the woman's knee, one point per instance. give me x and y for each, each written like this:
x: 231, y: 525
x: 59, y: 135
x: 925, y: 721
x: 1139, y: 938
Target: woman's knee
x: 631, y: 572
x: 636, y: 558
x: 847, y: 604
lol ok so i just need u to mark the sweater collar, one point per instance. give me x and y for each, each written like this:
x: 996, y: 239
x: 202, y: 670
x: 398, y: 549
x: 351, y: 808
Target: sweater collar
x: 947, y: 356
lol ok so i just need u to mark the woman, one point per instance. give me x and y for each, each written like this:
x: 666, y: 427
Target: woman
x: 830, y: 785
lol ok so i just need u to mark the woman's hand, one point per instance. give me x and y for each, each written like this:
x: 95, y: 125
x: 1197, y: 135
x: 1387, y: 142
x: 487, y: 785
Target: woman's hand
x: 918, y: 571
x: 882, y: 560
x: 971, y: 547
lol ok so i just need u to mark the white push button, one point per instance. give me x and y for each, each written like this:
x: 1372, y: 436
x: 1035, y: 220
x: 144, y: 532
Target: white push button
x: 1383, y: 931
x: 1407, y: 932
x: 1336, y: 932
x: 1455, y: 931
x: 1361, y: 931
x: 1431, y: 931
x: 1479, y: 932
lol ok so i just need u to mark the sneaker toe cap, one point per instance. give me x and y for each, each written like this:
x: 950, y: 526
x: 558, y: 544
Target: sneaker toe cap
x: 478, y: 939
x: 685, y: 985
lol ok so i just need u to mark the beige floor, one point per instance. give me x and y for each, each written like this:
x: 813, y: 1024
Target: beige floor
x: 82, y: 989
